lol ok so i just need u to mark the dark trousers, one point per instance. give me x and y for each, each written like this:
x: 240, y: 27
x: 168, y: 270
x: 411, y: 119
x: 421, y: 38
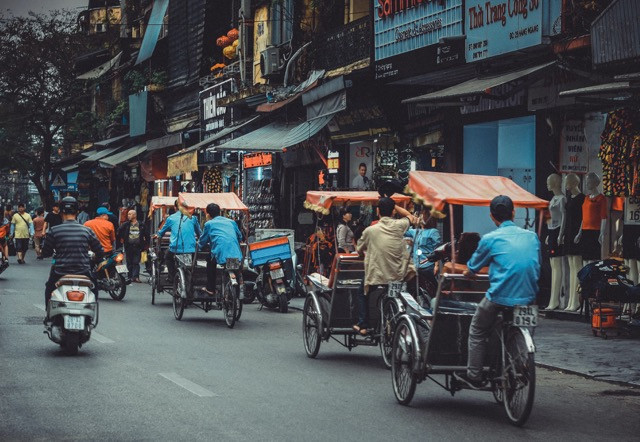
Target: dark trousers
x: 133, y: 261
x: 479, y: 332
x: 170, y: 261
x: 211, y: 273
x: 364, y: 302
x: 54, y: 277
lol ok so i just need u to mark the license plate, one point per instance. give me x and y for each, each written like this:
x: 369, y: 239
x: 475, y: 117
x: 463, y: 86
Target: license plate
x: 395, y: 288
x: 525, y: 315
x: 74, y: 322
x: 277, y: 274
x: 121, y: 269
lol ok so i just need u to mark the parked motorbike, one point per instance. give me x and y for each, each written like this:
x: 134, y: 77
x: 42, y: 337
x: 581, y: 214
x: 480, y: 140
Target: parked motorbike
x: 272, y: 288
x: 249, y: 276
x: 73, y: 313
x: 112, y: 275
x: 3, y: 264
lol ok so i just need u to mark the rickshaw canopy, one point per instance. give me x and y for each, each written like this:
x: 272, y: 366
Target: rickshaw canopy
x: 162, y: 201
x: 226, y: 201
x: 321, y: 201
x: 438, y: 188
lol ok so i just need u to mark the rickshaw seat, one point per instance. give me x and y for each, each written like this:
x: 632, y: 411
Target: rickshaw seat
x: 450, y: 267
x: 322, y: 282
x: 334, y: 265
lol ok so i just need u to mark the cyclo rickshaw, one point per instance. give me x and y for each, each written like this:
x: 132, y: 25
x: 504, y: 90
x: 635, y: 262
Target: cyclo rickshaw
x: 330, y: 309
x: 191, y: 269
x: 434, y: 342
x: 158, y: 271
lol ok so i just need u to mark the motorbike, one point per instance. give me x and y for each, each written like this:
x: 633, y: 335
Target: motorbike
x: 3, y: 264
x: 72, y: 312
x: 272, y: 287
x: 112, y: 275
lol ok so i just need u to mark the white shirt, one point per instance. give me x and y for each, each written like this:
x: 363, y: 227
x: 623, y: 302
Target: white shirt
x: 556, y: 209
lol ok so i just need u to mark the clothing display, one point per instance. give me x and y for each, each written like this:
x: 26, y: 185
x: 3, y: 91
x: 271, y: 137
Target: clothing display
x: 262, y: 205
x: 556, y: 208
x: 589, y: 245
x: 620, y: 153
x: 553, y: 247
x: 594, y: 210
x: 630, y: 238
x: 573, y: 219
x: 212, y: 180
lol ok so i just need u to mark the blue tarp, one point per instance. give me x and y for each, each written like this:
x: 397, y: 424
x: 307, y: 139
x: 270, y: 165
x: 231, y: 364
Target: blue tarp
x: 138, y: 114
x: 153, y: 30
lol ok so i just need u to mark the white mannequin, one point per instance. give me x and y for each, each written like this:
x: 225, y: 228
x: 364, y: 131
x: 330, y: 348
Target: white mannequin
x: 557, y: 210
x: 592, y: 181
x: 572, y: 184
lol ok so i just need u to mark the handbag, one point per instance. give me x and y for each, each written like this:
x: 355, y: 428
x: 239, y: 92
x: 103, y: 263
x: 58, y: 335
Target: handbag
x: 12, y: 247
x: 143, y: 257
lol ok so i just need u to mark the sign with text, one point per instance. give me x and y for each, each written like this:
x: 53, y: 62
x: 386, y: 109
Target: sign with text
x: 574, y: 157
x: 213, y: 118
x: 632, y: 211
x: 333, y: 161
x: 259, y: 159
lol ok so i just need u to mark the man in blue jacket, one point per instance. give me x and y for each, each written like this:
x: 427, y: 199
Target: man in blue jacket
x: 223, y: 236
x: 184, y: 232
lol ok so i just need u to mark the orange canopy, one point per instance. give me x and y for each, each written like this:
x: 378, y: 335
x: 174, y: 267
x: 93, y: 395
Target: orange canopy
x: 321, y: 200
x: 438, y: 188
x: 226, y: 201
x: 162, y: 201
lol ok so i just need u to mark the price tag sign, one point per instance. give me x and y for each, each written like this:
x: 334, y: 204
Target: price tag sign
x: 632, y: 211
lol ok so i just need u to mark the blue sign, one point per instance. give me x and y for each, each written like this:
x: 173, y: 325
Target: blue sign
x: 58, y: 179
x: 495, y: 27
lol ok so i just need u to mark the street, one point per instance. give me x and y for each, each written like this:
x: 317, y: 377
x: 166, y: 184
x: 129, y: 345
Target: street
x: 146, y: 376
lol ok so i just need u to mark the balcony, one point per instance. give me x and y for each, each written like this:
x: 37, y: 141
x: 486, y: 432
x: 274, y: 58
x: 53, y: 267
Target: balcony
x: 342, y: 47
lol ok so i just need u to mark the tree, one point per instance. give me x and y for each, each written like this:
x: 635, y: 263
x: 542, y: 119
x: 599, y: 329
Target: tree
x: 39, y: 94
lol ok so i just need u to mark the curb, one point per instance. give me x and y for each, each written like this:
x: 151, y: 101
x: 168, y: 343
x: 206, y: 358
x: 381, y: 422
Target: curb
x: 587, y: 376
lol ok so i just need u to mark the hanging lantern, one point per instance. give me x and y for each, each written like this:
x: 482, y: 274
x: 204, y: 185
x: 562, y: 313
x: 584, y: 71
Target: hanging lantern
x: 235, y: 43
x: 223, y: 41
x: 229, y: 52
x: 233, y: 34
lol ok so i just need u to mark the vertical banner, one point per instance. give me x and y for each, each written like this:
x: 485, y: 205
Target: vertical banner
x: 574, y: 156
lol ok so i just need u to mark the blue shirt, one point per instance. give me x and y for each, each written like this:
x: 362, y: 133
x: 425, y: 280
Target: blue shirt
x: 426, y: 240
x: 513, y: 257
x: 224, y: 236
x: 183, y: 233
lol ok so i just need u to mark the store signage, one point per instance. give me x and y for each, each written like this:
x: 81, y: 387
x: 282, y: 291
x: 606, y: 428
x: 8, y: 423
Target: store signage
x: 574, y: 157
x: 409, y: 30
x: 514, y: 93
x: 182, y: 164
x: 333, y: 161
x: 213, y: 118
x: 632, y: 211
x: 259, y: 159
x: 495, y: 27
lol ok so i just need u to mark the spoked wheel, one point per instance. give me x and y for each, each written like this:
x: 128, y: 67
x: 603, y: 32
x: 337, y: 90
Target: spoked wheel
x: 229, y: 301
x: 311, y: 333
x: 179, y: 294
x: 497, y: 392
x: 239, y: 312
x: 389, y: 313
x: 71, y: 344
x: 153, y: 280
x: 119, y: 292
x: 519, y: 384
x: 403, y: 355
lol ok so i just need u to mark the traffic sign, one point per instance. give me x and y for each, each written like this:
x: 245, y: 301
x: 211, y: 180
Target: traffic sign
x: 58, y: 179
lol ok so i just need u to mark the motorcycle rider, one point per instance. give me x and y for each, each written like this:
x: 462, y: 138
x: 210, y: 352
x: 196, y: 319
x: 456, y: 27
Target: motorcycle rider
x: 103, y: 228
x: 223, y: 236
x: 71, y: 243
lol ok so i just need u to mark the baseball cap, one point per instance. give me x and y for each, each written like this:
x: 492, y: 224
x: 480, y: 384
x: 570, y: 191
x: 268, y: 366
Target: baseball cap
x: 501, y: 207
x: 103, y: 211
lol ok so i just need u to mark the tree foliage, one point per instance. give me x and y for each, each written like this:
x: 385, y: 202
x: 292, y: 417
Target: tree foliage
x: 39, y: 94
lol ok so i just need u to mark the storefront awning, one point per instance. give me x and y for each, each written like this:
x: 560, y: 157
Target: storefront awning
x: 101, y: 70
x: 166, y: 141
x: 121, y: 157
x: 276, y: 136
x: 152, y: 32
x: 100, y: 154
x: 219, y: 135
x: 475, y: 87
x: 182, y: 163
x: 110, y: 141
x: 610, y: 90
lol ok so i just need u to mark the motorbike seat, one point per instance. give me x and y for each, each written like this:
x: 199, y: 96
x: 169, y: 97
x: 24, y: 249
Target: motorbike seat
x: 79, y: 280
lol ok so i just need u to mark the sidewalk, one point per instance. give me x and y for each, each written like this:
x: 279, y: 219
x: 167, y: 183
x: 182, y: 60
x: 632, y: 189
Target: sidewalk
x: 570, y: 346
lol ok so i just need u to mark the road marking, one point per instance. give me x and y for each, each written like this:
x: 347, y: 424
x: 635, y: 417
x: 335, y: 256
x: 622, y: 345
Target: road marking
x: 97, y: 336
x: 188, y: 385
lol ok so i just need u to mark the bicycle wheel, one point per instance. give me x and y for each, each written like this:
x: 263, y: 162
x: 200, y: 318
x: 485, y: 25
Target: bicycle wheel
x: 311, y: 328
x: 519, y: 383
x: 229, y: 302
x: 387, y: 323
x: 153, y: 280
x: 403, y: 356
x: 179, y: 294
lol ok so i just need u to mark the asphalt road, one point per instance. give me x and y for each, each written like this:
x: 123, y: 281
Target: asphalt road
x: 146, y: 376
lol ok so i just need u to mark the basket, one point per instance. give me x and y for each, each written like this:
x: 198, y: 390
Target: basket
x: 270, y: 249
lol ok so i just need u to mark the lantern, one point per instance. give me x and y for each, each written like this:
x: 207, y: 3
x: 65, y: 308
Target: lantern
x: 235, y: 43
x: 223, y: 41
x: 229, y: 52
x: 233, y: 34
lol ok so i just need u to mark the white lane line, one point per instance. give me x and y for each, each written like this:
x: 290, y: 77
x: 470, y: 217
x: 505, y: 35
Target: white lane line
x: 188, y: 385
x: 97, y: 336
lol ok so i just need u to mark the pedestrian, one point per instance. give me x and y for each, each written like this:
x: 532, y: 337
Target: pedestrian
x: 38, y: 227
x: 53, y: 218
x: 22, y: 231
x: 83, y: 216
x: 133, y: 235
x: 5, y: 229
x: 103, y: 229
x: 113, y: 219
x: 8, y: 212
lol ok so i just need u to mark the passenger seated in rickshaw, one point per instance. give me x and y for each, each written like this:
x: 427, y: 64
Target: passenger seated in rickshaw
x: 386, y: 257
x: 184, y: 230
x: 223, y: 236
x: 513, y: 257
x: 426, y: 240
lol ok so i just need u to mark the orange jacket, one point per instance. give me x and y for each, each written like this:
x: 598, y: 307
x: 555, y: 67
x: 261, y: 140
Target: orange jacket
x: 104, y: 231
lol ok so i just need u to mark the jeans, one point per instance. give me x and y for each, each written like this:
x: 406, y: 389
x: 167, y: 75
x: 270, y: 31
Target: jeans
x: 54, y: 277
x: 479, y: 332
x: 38, y: 243
x: 211, y: 273
x: 133, y: 261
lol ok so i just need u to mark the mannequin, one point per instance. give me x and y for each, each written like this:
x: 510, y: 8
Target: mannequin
x: 556, y: 226
x: 628, y: 241
x: 594, y: 224
x: 573, y: 221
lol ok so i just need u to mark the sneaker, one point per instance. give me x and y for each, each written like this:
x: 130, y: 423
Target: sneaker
x: 467, y: 382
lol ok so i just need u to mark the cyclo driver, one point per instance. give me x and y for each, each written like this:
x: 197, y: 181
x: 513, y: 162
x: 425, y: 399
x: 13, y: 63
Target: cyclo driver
x: 71, y: 243
x: 513, y: 257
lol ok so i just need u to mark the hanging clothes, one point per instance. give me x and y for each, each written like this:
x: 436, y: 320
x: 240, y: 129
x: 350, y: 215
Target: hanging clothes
x: 620, y: 154
x: 212, y: 180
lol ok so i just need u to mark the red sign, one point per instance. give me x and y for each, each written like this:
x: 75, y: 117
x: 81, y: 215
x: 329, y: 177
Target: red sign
x: 257, y: 160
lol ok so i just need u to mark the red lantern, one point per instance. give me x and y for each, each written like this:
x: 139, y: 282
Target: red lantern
x: 233, y: 34
x: 223, y: 41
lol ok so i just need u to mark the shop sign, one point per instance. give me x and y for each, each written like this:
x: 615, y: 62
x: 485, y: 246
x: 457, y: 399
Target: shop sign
x: 261, y: 39
x: 333, y: 161
x: 515, y: 95
x: 182, y: 164
x: 214, y: 118
x: 544, y: 94
x: 409, y: 30
x: 495, y: 27
x: 574, y: 156
x: 632, y: 211
x: 259, y: 159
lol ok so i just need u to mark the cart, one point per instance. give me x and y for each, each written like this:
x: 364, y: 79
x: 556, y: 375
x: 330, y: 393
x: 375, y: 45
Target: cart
x: 426, y: 345
x: 191, y: 269
x: 158, y: 271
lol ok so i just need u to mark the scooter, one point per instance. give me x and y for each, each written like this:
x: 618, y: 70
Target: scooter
x: 3, y: 264
x: 112, y: 276
x: 72, y: 312
x: 272, y: 288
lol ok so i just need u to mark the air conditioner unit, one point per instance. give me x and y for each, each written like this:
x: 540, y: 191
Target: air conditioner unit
x: 270, y: 61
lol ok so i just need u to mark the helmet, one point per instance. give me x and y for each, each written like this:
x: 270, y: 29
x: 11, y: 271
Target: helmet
x: 69, y: 205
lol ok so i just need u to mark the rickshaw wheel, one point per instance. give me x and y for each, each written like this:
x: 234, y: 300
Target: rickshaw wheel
x: 154, y: 281
x: 311, y: 328
x: 239, y: 312
x: 403, y: 356
x: 497, y: 392
x: 519, y: 381
x: 389, y: 312
x: 229, y: 301
x: 179, y: 289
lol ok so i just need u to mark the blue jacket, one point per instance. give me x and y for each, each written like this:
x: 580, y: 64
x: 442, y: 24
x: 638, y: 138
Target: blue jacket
x: 224, y: 236
x: 183, y: 233
x: 426, y: 240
